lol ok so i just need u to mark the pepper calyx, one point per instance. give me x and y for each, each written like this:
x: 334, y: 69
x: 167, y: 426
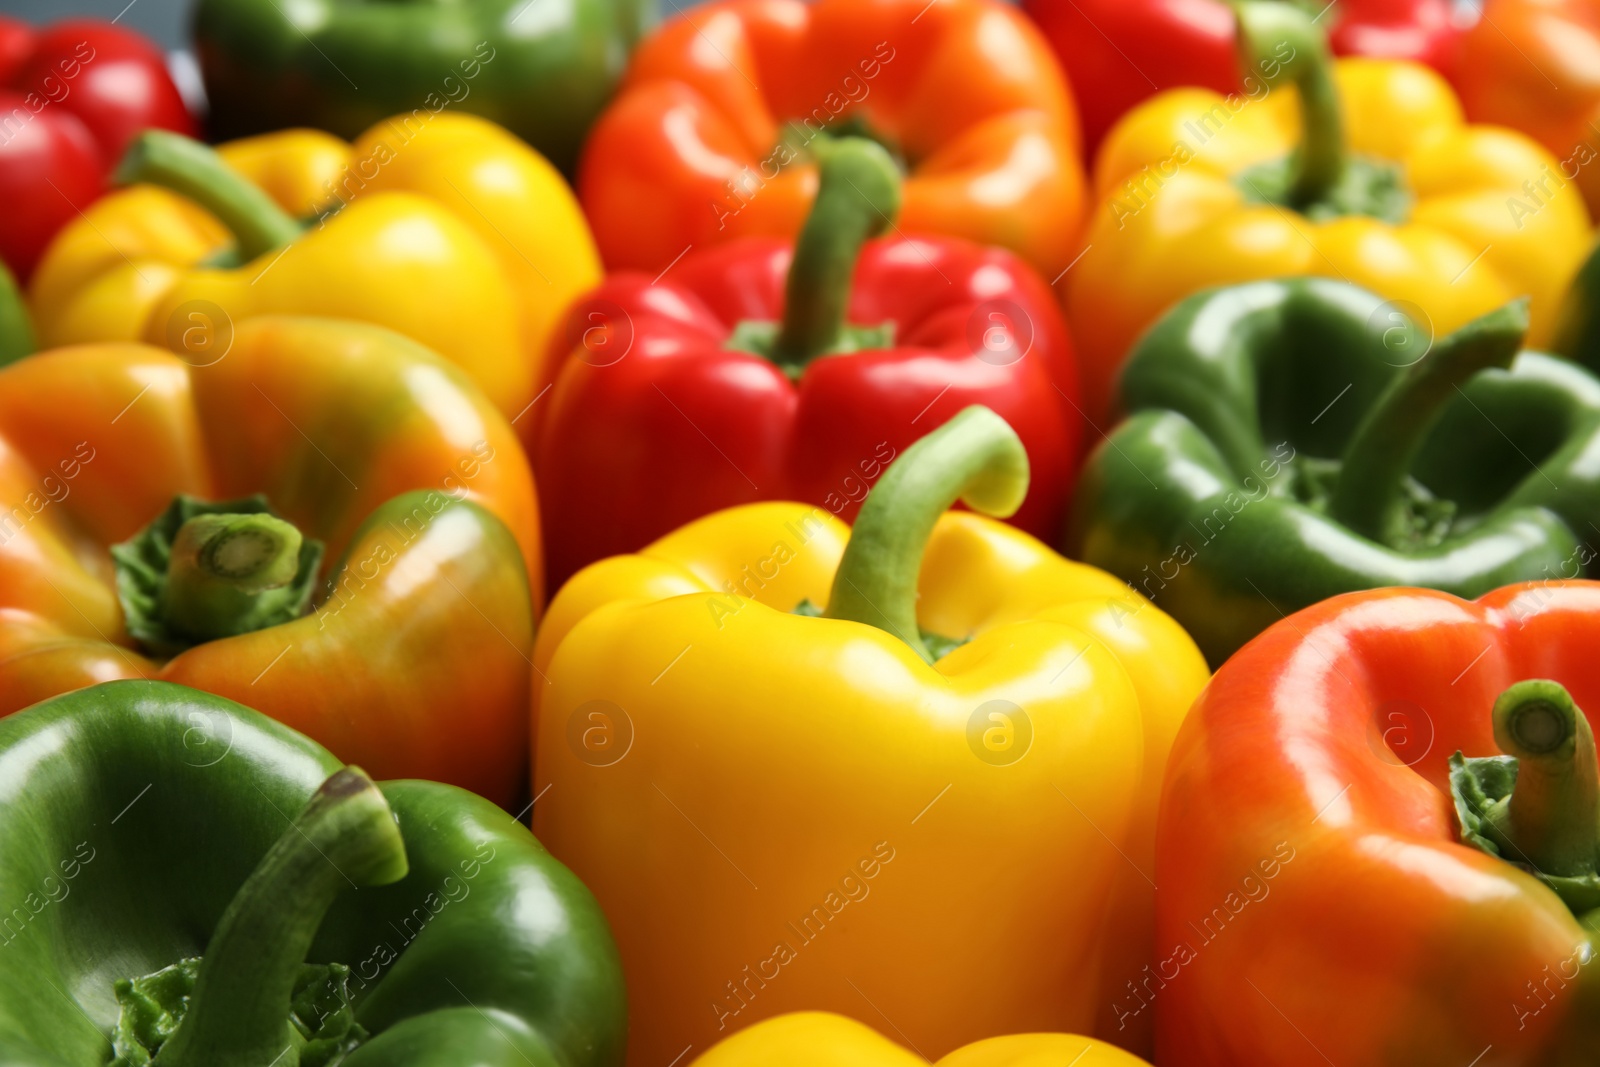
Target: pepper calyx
x: 205, y: 570
x: 939, y: 646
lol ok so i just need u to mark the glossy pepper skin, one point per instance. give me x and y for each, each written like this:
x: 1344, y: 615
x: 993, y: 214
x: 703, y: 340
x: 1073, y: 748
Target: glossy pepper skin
x: 666, y: 409
x: 839, y: 771
x: 413, y: 660
x: 1531, y: 65
x: 805, y: 1039
x: 709, y: 136
x: 73, y: 96
x: 1291, y: 440
x: 1389, y: 190
x: 344, y: 66
x: 486, y: 951
x: 1309, y: 852
x: 1117, y: 54
x: 469, y: 242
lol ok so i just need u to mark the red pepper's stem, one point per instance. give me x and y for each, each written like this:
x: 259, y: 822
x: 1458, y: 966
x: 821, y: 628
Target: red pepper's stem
x: 220, y: 568
x: 16, y: 328
x: 858, y: 198
x: 1280, y: 41
x: 238, y: 1015
x: 1552, y: 818
x: 976, y: 457
x: 193, y: 170
x: 1368, y: 496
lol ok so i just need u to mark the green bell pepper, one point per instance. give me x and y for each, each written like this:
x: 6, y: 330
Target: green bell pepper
x: 541, y: 70
x: 143, y: 824
x: 1291, y: 440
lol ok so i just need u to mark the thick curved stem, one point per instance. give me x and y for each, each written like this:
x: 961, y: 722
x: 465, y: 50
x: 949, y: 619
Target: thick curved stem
x: 1552, y: 818
x: 238, y: 1015
x: 195, y: 171
x: 975, y: 457
x: 225, y: 570
x: 1282, y: 39
x: 1368, y: 495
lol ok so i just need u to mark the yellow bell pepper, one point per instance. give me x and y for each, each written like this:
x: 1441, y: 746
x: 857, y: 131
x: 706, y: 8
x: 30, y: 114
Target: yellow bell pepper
x: 1360, y: 169
x: 452, y: 232
x: 848, y: 813
x: 819, y: 1039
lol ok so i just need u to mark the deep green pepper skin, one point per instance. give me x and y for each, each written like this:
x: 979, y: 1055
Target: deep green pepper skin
x: 541, y: 68
x: 131, y: 812
x: 1206, y: 499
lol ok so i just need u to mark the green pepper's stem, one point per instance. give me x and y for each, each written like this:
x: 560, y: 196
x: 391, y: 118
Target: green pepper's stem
x: 16, y: 328
x: 1552, y: 818
x: 1578, y: 333
x: 238, y: 1015
x: 1368, y: 496
x: 193, y: 170
x: 222, y: 570
x: 1280, y: 41
x: 858, y: 198
x: 976, y: 457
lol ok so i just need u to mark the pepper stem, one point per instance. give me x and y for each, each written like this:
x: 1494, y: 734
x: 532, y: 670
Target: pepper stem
x: 1368, y: 496
x: 191, y: 169
x: 16, y: 328
x: 976, y: 457
x: 1267, y: 28
x: 858, y: 198
x: 1552, y: 818
x: 225, y: 571
x: 239, y: 1013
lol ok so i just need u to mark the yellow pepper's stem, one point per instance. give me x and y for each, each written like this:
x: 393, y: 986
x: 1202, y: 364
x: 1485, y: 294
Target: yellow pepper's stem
x: 193, y: 170
x: 1283, y: 38
x: 975, y: 457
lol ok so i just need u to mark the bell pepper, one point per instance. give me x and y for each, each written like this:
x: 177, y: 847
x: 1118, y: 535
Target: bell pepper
x: 1530, y: 65
x: 1360, y: 170
x: 781, y: 812
x: 713, y: 131
x: 544, y: 74
x: 397, y: 505
x: 744, y: 376
x: 72, y: 97
x: 1118, y: 53
x: 177, y: 883
x: 467, y: 241
x: 1291, y: 440
x: 807, y: 1039
x: 1321, y: 901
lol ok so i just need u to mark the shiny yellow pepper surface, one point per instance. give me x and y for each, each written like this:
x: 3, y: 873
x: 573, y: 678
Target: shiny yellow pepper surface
x: 448, y: 230
x: 1358, y: 169
x: 935, y: 801
x: 818, y: 1039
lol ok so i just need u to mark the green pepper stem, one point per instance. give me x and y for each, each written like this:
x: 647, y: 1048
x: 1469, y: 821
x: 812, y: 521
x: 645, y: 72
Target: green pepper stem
x: 857, y: 199
x: 1578, y: 332
x: 976, y: 457
x: 238, y: 1015
x: 16, y: 328
x: 193, y: 170
x: 1552, y: 818
x: 222, y: 569
x: 1368, y: 496
x: 1266, y: 29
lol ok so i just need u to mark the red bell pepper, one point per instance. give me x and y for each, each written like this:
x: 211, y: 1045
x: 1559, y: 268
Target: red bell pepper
x: 1337, y: 884
x: 736, y: 377
x: 72, y: 97
x: 1119, y: 52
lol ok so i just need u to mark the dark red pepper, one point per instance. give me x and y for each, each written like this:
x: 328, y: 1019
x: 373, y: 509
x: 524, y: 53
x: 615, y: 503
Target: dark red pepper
x: 1119, y: 52
x: 72, y: 97
x: 733, y: 378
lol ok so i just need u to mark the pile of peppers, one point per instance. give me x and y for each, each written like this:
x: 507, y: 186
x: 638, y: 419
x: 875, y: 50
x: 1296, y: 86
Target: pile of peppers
x: 801, y: 533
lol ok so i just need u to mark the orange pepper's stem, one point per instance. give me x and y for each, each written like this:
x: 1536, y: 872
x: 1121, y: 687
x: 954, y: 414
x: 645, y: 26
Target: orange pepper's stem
x: 1267, y: 31
x: 221, y: 567
x: 193, y: 170
x: 1552, y: 818
x: 975, y: 457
